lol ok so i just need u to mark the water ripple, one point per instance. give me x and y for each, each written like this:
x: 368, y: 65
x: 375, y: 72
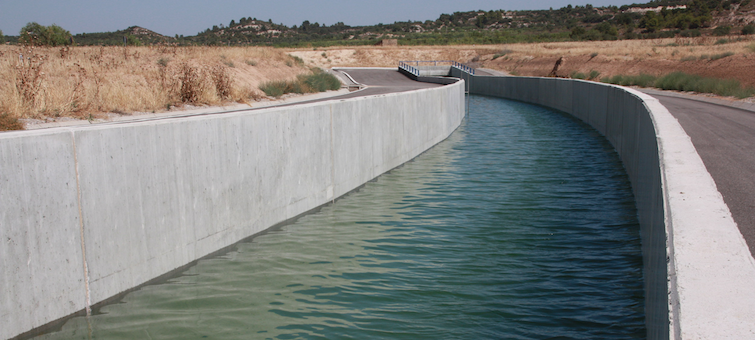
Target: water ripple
x: 521, y: 226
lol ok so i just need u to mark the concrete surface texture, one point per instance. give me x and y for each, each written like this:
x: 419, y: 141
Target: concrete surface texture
x: 725, y: 139
x: 148, y: 197
x: 698, y: 271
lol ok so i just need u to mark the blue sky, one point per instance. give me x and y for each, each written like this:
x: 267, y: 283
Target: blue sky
x: 188, y: 17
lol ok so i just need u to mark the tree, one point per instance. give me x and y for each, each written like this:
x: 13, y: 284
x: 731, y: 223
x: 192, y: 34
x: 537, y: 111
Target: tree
x: 2, y: 37
x: 651, y: 22
x: 577, y: 32
x: 36, y: 34
x: 607, y: 29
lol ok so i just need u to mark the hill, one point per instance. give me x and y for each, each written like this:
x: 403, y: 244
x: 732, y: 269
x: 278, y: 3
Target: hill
x: 133, y: 36
x: 655, y: 19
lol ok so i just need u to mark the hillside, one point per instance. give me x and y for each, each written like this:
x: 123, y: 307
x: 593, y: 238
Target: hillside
x: 655, y: 19
x: 133, y: 36
x: 679, y: 18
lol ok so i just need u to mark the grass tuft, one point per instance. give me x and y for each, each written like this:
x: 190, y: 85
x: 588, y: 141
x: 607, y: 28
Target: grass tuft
x: 578, y: 75
x: 642, y: 80
x: 318, y: 81
x: 501, y: 53
x: 680, y: 81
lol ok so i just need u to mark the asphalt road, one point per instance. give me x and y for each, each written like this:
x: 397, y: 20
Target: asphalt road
x: 378, y: 81
x: 725, y: 139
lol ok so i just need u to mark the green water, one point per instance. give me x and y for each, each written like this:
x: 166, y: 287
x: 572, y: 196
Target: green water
x: 521, y: 225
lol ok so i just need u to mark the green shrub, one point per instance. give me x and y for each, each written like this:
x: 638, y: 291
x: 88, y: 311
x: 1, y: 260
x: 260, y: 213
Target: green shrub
x: 747, y: 30
x: 318, y: 81
x: 133, y: 41
x: 721, y: 41
x: 297, y: 60
x: 681, y: 81
x: 690, y: 33
x: 274, y: 88
x: 689, y: 58
x: 578, y: 75
x: 577, y: 32
x: 721, y: 30
x: 642, y: 80
x: 38, y: 35
x: 593, y: 74
x: 251, y: 63
x: 501, y: 53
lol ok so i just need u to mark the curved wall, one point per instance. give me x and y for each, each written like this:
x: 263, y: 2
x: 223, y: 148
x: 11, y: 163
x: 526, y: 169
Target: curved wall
x: 697, y: 268
x: 149, y: 197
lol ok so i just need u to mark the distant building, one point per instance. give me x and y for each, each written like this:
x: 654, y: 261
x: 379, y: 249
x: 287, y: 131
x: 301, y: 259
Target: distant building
x: 387, y: 42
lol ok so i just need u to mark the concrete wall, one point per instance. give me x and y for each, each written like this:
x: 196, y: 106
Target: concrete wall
x: 698, y: 270
x: 149, y: 197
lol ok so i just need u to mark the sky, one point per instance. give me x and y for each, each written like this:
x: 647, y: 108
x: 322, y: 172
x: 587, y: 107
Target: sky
x: 189, y: 17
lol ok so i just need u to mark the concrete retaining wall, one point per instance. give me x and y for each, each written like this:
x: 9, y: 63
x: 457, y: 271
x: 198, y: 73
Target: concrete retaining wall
x: 698, y: 270
x: 149, y: 197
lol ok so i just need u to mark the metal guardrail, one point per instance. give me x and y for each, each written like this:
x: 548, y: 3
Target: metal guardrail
x: 407, y: 65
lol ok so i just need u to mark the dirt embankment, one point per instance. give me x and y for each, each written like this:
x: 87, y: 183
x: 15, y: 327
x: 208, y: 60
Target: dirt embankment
x: 722, y: 57
x: 50, y: 84
x: 46, y: 83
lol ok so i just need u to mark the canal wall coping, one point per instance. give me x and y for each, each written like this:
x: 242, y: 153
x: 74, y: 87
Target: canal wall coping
x: 89, y: 212
x: 699, y: 274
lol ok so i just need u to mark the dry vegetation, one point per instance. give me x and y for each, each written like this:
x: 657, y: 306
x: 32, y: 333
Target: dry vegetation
x: 84, y: 82
x: 719, y: 57
x: 88, y: 82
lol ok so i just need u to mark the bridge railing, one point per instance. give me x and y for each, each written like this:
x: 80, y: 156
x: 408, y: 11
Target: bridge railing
x: 412, y: 66
x: 409, y: 68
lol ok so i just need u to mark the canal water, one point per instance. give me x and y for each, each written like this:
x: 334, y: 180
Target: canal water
x: 521, y: 225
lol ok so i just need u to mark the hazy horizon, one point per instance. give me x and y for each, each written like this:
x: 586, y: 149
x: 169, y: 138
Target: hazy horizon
x: 190, y: 17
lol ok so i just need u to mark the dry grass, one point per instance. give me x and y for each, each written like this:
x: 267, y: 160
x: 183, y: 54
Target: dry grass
x: 380, y: 56
x: 82, y: 82
x: 673, y: 48
x: 621, y: 50
x: 85, y: 82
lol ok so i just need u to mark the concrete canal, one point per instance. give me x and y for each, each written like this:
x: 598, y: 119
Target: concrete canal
x: 521, y: 225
